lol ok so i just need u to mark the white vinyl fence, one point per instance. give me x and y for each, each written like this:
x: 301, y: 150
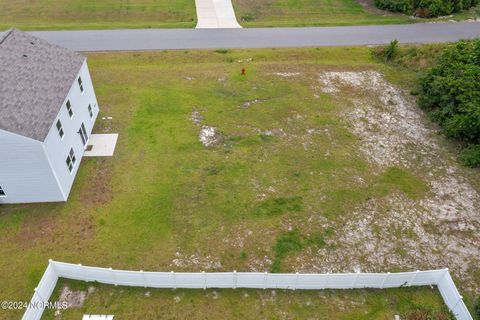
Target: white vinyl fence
x: 441, y: 278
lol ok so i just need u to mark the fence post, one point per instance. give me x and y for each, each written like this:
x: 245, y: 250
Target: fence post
x: 143, y: 278
x: 296, y: 281
x: 354, y: 285
x: 41, y: 298
x: 327, y: 275
x: 39, y: 295
x: 114, y: 279
x: 82, y: 272
x: 413, y: 278
x: 54, y: 269
x: 174, y: 279
x: 456, y: 304
x: 445, y: 273
x: 385, y: 280
x: 204, y: 280
x: 234, y: 279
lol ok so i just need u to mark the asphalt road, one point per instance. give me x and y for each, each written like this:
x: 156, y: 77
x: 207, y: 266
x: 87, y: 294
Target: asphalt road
x: 157, y: 39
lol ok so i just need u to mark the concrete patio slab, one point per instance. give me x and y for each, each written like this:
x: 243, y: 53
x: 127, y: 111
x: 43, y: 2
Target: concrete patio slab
x: 101, y: 145
x: 215, y: 14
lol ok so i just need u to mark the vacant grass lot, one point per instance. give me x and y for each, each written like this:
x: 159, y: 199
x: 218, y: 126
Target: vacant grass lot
x: 291, y: 182
x: 266, y: 13
x: 96, y: 14
x: 294, y: 13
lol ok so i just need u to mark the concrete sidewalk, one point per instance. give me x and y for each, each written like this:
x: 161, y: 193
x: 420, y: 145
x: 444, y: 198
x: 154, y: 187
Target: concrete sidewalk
x: 215, y: 14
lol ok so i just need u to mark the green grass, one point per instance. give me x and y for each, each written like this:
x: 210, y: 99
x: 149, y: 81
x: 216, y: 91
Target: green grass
x: 309, y: 13
x: 295, y: 13
x: 404, y: 181
x: 110, y: 14
x: 293, y: 241
x: 132, y: 303
x: 96, y: 14
x: 164, y: 197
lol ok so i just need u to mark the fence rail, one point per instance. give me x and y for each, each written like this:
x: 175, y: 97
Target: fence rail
x: 203, y: 280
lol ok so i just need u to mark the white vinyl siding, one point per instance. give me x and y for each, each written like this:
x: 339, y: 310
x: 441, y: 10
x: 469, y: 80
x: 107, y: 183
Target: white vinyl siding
x: 25, y: 174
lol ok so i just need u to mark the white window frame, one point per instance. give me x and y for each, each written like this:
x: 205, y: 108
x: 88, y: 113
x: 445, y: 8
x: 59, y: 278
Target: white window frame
x: 71, y: 161
x: 80, y: 84
x: 3, y: 194
x: 60, y: 130
x: 69, y: 109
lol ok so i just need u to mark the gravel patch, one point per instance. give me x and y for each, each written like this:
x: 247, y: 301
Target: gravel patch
x: 195, y: 262
x: 196, y: 118
x: 209, y: 136
x: 287, y: 74
x: 74, y: 299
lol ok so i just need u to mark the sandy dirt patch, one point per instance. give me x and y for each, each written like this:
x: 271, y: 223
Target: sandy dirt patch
x: 209, y: 136
x: 440, y: 230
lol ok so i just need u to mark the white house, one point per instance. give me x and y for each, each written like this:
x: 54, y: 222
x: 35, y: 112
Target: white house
x: 47, y: 112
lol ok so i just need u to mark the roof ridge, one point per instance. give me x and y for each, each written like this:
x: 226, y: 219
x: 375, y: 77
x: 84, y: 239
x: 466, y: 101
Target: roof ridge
x: 47, y: 75
x: 6, y: 34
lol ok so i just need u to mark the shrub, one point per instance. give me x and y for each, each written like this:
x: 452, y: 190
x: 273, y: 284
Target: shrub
x: 471, y: 157
x: 450, y: 93
x: 413, y: 57
x: 426, y: 8
x: 391, y: 50
x: 405, y: 6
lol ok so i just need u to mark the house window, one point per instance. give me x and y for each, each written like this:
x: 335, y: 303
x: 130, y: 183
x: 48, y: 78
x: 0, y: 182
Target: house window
x: 80, y: 84
x: 2, y: 193
x: 71, y: 160
x: 60, y: 129
x: 69, y: 109
x: 90, y: 111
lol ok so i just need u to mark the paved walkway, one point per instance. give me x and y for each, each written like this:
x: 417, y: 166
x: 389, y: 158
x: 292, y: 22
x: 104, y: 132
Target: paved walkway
x: 159, y: 39
x: 215, y: 14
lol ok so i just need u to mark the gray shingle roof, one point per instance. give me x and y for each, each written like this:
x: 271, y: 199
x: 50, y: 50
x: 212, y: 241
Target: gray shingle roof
x: 35, y: 77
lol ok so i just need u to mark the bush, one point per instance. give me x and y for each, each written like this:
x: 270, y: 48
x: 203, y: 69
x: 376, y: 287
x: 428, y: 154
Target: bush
x: 417, y: 58
x: 386, y: 53
x: 391, y: 50
x: 450, y: 93
x: 404, y: 6
x: 426, y: 8
x: 471, y: 157
x: 477, y: 308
